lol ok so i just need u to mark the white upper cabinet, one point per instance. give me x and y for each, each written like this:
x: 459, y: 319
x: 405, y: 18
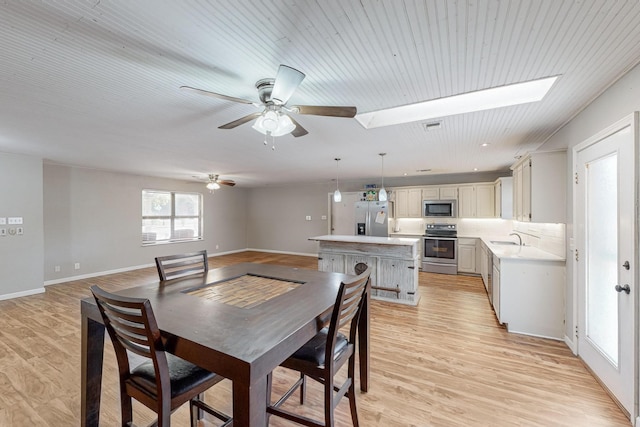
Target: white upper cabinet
x: 476, y: 200
x: 408, y: 202
x: 539, y: 187
x: 504, y: 197
x: 433, y: 192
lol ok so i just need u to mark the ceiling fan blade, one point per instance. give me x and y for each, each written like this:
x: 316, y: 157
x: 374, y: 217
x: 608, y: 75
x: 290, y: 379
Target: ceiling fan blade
x: 215, y: 95
x: 240, y: 121
x: 287, y: 81
x: 319, y: 110
x: 299, y: 130
x: 228, y: 182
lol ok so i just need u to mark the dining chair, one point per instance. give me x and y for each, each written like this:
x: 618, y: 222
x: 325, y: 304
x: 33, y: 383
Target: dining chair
x: 162, y: 382
x: 172, y: 266
x: 322, y: 357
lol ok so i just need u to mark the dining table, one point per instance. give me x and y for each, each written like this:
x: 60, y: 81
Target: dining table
x: 240, y: 321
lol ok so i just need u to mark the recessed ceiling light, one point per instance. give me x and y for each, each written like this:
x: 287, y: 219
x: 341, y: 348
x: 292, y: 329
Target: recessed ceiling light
x: 486, y: 99
x: 405, y: 174
x: 475, y: 169
x: 484, y: 144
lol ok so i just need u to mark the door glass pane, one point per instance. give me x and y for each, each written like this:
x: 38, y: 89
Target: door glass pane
x: 602, y: 255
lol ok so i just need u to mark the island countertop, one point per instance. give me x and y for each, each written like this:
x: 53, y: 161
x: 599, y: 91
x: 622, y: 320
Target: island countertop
x: 396, y: 241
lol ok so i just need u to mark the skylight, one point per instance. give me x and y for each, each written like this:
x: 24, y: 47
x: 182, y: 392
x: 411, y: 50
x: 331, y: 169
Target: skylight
x: 486, y: 99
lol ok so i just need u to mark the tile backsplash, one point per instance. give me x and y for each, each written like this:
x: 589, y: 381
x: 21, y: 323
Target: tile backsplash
x: 547, y: 237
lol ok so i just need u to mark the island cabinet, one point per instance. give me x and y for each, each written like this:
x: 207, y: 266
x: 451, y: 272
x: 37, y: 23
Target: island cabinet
x: 394, y: 263
x: 539, y: 187
x: 476, y: 200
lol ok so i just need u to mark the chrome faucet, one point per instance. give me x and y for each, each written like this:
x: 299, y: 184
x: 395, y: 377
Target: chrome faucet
x: 519, y: 237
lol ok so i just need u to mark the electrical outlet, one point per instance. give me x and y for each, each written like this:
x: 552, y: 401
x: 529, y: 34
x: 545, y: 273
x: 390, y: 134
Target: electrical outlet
x: 323, y: 217
x: 217, y: 246
x: 19, y: 231
x: 308, y: 218
x: 76, y: 266
x: 56, y: 269
x: 3, y: 221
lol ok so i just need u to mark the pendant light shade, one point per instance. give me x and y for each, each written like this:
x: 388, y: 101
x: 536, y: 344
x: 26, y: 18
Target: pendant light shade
x: 382, y: 194
x: 337, y: 196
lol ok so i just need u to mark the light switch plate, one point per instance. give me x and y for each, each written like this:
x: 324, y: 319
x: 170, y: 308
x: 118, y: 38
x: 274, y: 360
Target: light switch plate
x: 15, y: 220
x: 3, y: 221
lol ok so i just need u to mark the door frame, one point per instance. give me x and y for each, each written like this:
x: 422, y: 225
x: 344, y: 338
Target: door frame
x: 628, y: 121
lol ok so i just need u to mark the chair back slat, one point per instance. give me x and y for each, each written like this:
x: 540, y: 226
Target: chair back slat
x: 172, y: 266
x: 347, y: 309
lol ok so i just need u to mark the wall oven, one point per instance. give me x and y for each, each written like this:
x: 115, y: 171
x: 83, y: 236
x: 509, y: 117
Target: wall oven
x: 440, y: 249
x: 439, y: 208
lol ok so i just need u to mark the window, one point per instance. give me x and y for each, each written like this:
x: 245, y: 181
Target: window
x: 169, y: 216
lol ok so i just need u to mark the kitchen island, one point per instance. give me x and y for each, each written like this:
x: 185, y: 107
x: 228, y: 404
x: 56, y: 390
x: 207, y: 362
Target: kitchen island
x: 394, y: 263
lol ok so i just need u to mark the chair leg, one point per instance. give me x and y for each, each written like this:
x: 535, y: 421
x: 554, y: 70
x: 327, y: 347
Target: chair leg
x: 269, y: 385
x: 126, y: 410
x: 351, y: 393
x: 328, y: 402
x: 303, y: 388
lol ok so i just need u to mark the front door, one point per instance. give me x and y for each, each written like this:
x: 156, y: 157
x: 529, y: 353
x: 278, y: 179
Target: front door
x: 606, y: 260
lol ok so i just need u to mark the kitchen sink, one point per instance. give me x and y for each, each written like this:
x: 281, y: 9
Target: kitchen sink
x: 503, y: 242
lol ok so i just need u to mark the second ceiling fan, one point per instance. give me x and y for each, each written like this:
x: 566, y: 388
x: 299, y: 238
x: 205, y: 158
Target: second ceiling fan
x: 274, y: 120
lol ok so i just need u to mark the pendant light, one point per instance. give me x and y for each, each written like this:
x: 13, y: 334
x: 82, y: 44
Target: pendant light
x: 382, y: 194
x: 337, y: 197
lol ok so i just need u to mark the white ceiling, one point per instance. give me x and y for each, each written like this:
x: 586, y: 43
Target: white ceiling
x: 95, y: 83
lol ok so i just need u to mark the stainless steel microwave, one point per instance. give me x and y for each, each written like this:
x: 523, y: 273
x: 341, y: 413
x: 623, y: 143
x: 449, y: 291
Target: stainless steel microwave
x: 439, y: 208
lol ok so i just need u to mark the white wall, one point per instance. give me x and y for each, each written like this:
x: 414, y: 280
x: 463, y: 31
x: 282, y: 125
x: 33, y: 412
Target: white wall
x: 620, y: 100
x: 276, y: 217
x: 94, y: 218
x: 21, y: 257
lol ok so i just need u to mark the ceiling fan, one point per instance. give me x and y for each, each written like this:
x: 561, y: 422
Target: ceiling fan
x: 215, y: 182
x: 274, y: 120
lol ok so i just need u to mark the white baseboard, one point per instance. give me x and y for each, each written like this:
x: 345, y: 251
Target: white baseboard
x: 22, y: 294
x: 282, y: 252
x: 571, y: 344
x: 137, y: 267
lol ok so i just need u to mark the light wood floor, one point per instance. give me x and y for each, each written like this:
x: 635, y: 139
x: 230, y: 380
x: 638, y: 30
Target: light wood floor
x: 445, y: 363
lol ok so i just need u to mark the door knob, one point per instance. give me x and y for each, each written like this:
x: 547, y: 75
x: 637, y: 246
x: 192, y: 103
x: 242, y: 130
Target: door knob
x: 624, y: 288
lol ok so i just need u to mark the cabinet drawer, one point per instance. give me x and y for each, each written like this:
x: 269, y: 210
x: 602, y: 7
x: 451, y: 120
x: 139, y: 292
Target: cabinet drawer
x: 466, y: 241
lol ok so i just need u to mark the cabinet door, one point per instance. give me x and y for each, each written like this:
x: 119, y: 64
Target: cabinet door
x: 496, y: 289
x: 526, y: 191
x: 430, y: 193
x: 394, y: 274
x: 497, y: 199
x: 415, y: 203
x: 485, y: 205
x: 484, y: 261
x: 467, y: 258
x: 350, y: 262
x: 402, y: 203
x: 448, y: 193
x: 517, y: 193
x: 466, y: 201
x: 331, y: 262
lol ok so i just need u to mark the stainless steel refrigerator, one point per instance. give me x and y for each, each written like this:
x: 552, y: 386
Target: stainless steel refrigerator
x: 372, y: 218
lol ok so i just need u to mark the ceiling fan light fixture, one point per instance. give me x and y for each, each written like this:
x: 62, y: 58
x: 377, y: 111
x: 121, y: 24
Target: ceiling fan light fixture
x: 274, y: 124
x: 213, y: 186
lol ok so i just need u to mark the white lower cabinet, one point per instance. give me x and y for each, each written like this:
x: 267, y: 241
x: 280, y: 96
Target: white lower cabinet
x: 467, y: 255
x: 332, y: 262
x: 495, y: 291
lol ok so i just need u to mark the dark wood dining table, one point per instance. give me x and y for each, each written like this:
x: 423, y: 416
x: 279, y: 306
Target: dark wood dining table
x: 241, y: 340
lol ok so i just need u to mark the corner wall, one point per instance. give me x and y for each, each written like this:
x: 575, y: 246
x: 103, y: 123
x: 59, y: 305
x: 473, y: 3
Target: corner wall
x: 93, y: 218
x: 22, y: 255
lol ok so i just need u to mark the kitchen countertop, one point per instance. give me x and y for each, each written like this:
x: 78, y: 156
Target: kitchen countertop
x: 516, y: 252
x: 396, y: 241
